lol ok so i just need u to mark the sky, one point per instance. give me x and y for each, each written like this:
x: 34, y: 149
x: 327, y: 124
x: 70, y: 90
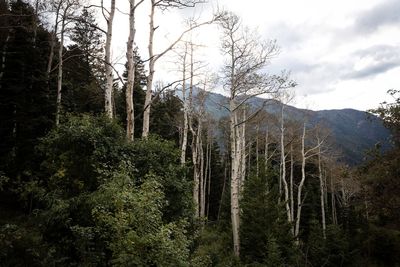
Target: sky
x: 341, y: 53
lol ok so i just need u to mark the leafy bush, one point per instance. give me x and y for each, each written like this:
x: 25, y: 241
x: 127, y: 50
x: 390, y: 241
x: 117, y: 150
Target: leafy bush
x: 101, y: 200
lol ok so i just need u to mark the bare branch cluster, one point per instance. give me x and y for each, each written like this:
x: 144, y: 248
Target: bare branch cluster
x: 167, y: 4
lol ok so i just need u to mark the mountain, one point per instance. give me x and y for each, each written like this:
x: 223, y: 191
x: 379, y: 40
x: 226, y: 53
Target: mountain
x: 353, y: 132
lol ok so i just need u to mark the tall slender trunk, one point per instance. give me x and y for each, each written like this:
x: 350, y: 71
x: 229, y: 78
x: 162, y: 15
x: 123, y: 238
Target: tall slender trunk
x: 333, y: 203
x: 196, y: 174
x: 321, y: 187
x: 242, y: 141
x: 283, y: 168
x: 206, y: 177
x: 266, y: 155
x: 130, y: 112
x: 185, y: 110
x: 223, y: 191
x: 51, y: 55
x: 300, y: 187
x: 209, y: 177
x: 108, y: 104
x: 60, y: 69
x: 198, y: 171
x: 201, y: 171
x: 291, y: 184
x: 147, y: 102
x: 235, y: 182
x: 52, y: 46
x: 257, y: 162
x: 197, y: 152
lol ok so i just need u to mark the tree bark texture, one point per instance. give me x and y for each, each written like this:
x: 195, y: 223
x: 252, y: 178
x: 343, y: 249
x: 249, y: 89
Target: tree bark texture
x: 108, y: 104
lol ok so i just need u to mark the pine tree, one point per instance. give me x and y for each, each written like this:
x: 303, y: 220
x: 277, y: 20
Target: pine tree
x: 84, y: 72
x: 87, y: 37
x: 25, y: 106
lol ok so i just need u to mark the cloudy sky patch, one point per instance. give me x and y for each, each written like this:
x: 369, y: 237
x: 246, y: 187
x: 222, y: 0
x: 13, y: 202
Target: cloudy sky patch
x: 342, y: 54
x: 383, y: 14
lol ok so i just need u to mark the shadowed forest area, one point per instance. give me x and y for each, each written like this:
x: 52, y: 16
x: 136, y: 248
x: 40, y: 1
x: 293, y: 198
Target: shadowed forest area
x: 90, y: 177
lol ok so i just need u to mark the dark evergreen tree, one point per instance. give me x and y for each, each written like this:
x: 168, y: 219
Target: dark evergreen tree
x: 26, y: 105
x: 83, y: 81
x: 265, y: 234
x: 167, y: 114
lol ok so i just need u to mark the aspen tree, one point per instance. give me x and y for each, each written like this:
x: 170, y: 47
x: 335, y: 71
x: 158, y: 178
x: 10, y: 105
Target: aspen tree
x: 333, y: 202
x: 66, y: 10
x: 130, y: 116
x: 185, y: 107
x: 285, y: 99
x: 291, y: 183
x: 322, y: 194
x: 53, y: 41
x: 267, y: 154
x: 246, y: 56
x: 109, y: 17
x: 306, y: 153
x: 153, y: 57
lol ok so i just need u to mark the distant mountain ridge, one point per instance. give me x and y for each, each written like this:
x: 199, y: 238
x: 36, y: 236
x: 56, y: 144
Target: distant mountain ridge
x: 353, y: 131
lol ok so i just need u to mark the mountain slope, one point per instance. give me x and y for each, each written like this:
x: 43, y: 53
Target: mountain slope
x: 353, y: 131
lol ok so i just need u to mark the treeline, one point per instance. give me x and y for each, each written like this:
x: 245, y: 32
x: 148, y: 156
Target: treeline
x: 253, y: 189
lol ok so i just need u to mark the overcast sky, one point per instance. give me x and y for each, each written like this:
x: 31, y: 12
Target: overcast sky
x: 342, y: 53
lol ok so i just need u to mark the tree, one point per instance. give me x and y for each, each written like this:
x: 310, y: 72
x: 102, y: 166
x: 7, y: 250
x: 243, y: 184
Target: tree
x: 153, y: 58
x: 306, y: 153
x: 130, y: 115
x: 265, y: 233
x: 26, y: 106
x: 185, y: 107
x: 288, y: 190
x: 87, y: 35
x: 65, y: 12
x: 109, y: 17
x: 104, y: 200
x: 244, y: 79
x: 83, y: 79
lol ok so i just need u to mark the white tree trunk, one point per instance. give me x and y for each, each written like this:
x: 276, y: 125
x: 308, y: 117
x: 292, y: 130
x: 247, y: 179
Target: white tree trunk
x: 60, y: 69
x: 242, y: 144
x: 283, y: 168
x: 321, y: 187
x: 300, y: 187
x: 130, y: 112
x: 333, y: 203
x: 291, y: 184
x: 266, y: 153
x: 209, y: 175
x: 53, y: 44
x: 196, y: 174
x: 152, y: 59
x: 202, y: 179
x: 206, y: 170
x: 108, y: 105
x: 185, y: 110
x: 235, y: 182
x: 257, y: 162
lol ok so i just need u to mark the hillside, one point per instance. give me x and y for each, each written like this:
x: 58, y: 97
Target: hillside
x: 352, y: 131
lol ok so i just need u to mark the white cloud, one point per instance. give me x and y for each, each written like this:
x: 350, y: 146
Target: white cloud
x: 341, y: 53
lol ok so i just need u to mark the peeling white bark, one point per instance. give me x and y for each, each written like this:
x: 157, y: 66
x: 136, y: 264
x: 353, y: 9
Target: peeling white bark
x: 108, y: 105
